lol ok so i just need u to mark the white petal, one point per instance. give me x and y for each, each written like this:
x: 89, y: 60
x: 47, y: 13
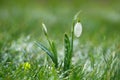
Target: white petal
x: 78, y: 29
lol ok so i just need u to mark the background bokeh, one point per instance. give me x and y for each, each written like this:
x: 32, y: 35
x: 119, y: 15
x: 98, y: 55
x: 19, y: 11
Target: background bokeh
x: 20, y: 27
x: 24, y: 17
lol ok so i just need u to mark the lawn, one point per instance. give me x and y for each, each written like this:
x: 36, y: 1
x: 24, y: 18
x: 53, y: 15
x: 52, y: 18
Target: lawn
x: 29, y: 52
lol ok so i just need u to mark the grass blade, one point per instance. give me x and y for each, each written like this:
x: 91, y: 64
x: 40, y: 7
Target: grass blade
x: 54, y: 50
x: 67, y: 59
x: 46, y: 50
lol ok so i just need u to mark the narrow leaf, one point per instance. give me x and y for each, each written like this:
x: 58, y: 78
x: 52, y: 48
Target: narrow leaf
x: 46, y: 50
x: 54, y: 50
x: 67, y: 59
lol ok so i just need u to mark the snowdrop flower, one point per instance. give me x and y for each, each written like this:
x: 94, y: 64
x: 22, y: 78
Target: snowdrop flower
x: 78, y: 29
x: 44, y: 29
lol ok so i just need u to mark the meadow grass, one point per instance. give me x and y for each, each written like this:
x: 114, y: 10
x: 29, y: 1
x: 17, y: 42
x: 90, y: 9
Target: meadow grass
x: 23, y: 45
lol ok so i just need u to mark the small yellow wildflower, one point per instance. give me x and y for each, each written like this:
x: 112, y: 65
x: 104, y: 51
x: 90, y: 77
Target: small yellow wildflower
x: 26, y: 65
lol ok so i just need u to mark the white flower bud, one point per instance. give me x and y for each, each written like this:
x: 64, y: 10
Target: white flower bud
x: 44, y: 29
x: 78, y: 29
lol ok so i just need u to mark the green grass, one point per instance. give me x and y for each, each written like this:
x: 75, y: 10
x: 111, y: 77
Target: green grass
x: 95, y: 55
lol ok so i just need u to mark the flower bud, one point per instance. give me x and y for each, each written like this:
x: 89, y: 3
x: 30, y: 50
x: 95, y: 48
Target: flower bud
x: 44, y: 29
x: 78, y: 29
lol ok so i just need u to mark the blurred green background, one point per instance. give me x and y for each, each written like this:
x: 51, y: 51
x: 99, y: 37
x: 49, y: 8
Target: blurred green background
x: 20, y: 26
x: 100, y: 18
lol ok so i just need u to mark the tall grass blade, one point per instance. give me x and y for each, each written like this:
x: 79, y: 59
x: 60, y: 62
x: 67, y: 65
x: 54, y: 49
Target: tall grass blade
x: 67, y: 59
x: 54, y: 50
x: 47, y: 51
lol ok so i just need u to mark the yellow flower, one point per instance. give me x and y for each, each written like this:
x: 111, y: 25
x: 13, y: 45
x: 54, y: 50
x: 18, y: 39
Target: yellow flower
x: 26, y: 65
